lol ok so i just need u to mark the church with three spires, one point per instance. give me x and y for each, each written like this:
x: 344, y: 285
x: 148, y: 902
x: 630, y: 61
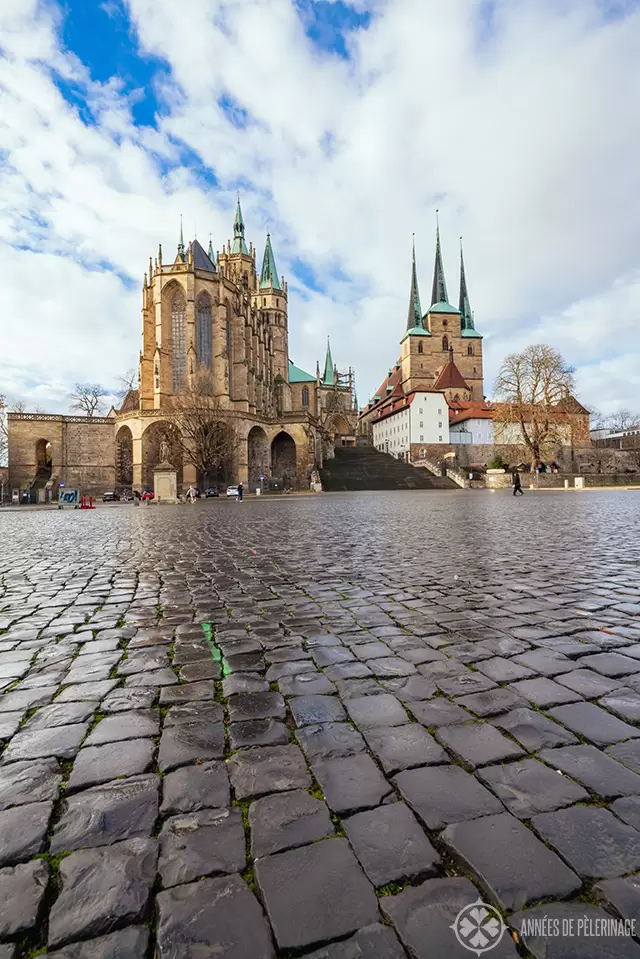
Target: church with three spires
x: 213, y: 320
x: 215, y: 312
x: 441, y: 350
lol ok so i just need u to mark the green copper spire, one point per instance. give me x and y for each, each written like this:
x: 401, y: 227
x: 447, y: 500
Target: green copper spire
x: 239, y: 245
x: 415, y: 310
x: 439, y: 291
x: 269, y: 275
x: 210, y: 252
x: 329, y: 370
x: 181, y: 241
x: 464, y: 306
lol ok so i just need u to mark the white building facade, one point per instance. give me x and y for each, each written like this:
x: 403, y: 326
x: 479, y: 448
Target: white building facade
x: 421, y: 417
x: 472, y: 430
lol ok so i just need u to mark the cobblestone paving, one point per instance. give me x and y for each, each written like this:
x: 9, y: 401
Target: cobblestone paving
x: 319, y: 726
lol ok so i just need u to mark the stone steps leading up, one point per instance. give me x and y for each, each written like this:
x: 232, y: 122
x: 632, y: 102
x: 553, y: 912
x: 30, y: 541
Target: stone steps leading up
x: 365, y: 468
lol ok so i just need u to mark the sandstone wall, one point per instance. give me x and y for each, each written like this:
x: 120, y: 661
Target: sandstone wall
x: 82, y: 450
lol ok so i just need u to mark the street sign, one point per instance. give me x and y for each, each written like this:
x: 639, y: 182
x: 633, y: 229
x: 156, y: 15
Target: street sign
x: 262, y: 475
x: 69, y: 497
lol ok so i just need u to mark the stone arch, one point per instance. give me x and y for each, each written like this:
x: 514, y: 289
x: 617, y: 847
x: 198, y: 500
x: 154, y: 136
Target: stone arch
x: 44, y: 458
x: 339, y: 428
x: 152, y: 439
x: 257, y: 455
x: 283, y: 459
x: 124, y: 457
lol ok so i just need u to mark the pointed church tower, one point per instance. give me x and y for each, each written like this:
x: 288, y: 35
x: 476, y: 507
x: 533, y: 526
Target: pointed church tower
x: 439, y: 289
x: 269, y: 274
x: 463, y: 305
x: 271, y: 299
x: 329, y: 377
x: 239, y: 243
x: 414, y: 318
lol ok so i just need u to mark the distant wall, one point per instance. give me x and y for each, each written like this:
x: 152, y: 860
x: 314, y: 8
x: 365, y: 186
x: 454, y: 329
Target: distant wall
x: 587, y: 459
x: 557, y: 480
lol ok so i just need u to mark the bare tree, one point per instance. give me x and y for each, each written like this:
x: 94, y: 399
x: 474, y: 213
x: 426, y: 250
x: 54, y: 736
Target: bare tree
x: 532, y: 385
x: 207, y: 437
x: 622, y: 420
x: 128, y: 381
x: 5, y: 408
x: 87, y: 398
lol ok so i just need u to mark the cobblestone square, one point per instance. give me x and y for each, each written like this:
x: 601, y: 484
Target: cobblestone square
x: 321, y: 724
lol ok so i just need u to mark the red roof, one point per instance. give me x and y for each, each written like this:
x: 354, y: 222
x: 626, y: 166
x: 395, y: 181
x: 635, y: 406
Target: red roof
x: 450, y: 377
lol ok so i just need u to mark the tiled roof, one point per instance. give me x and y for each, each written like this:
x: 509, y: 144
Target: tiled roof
x: 450, y: 377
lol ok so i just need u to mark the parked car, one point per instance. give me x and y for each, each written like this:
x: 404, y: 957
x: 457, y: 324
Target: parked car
x: 212, y: 491
x: 127, y: 496
x: 110, y: 497
x: 232, y: 491
x: 148, y: 494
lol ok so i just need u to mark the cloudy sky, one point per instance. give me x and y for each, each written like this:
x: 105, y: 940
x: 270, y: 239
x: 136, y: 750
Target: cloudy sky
x: 343, y: 125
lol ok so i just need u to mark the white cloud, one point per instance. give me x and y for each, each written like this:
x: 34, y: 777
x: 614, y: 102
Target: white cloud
x: 525, y: 139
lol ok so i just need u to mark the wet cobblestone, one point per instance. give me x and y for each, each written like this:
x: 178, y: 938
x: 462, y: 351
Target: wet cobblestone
x: 320, y: 724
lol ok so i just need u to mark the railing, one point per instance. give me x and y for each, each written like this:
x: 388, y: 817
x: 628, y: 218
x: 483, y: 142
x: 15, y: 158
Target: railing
x: 59, y: 418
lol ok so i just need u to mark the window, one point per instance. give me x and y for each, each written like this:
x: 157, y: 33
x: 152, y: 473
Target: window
x: 421, y: 438
x: 445, y: 343
x: 264, y: 301
x: 445, y: 323
x: 204, y: 335
x: 439, y: 426
x: 421, y: 412
x: 439, y: 439
x: 439, y: 412
x: 470, y: 350
x: 179, y: 338
x: 421, y: 425
x: 420, y: 349
x: 305, y: 396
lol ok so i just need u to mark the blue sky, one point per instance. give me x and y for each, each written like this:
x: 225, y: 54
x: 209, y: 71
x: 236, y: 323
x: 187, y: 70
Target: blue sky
x: 343, y: 125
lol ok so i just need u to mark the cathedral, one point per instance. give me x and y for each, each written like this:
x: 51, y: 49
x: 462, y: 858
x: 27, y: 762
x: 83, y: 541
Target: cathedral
x: 441, y: 350
x: 203, y: 314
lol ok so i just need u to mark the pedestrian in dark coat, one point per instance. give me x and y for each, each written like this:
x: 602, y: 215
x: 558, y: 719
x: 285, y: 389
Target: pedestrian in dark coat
x: 517, y: 485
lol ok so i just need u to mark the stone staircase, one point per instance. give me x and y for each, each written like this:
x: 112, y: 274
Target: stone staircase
x: 365, y: 468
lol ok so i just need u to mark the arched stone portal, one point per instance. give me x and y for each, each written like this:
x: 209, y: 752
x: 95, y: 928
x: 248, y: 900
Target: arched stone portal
x: 258, y: 455
x: 152, y: 445
x: 339, y: 426
x: 43, y: 456
x: 124, y: 457
x: 283, y: 460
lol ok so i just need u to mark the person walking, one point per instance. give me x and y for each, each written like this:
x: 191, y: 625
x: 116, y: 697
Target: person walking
x: 517, y: 485
x: 191, y: 495
x: 136, y: 497
x: 240, y: 491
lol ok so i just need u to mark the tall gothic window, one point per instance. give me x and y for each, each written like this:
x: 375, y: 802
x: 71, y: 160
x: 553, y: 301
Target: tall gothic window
x: 305, y: 396
x: 229, y: 356
x: 470, y: 351
x: 445, y: 343
x: 420, y: 347
x: 179, y: 338
x: 205, y: 346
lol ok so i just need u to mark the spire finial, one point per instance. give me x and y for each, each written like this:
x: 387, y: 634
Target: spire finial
x: 181, y: 241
